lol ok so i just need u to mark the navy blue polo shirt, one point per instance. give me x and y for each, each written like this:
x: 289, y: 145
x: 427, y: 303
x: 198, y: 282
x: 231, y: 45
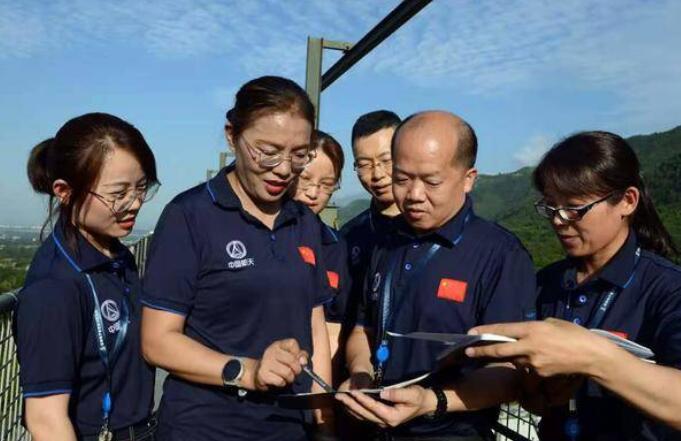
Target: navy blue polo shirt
x: 56, y: 337
x: 647, y: 310
x: 361, y: 234
x: 334, y: 249
x: 481, y: 274
x: 241, y: 286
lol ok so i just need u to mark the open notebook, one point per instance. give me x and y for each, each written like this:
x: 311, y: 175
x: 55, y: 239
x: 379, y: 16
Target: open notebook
x: 453, y: 345
x: 452, y: 354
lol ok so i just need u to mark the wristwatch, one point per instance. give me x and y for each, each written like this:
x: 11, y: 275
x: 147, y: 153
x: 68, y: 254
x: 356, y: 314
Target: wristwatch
x: 232, y: 372
x: 441, y: 407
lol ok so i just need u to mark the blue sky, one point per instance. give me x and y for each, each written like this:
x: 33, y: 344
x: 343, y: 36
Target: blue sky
x: 523, y: 73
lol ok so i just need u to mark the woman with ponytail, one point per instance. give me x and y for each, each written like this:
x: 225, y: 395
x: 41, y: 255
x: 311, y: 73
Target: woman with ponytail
x: 77, y: 325
x: 615, y: 277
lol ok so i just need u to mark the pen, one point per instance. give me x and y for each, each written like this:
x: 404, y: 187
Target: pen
x: 317, y: 379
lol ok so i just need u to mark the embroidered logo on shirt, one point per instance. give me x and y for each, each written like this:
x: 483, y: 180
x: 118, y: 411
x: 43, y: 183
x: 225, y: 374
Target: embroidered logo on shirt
x: 451, y: 289
x: 377, y: 282
x: 111, y: 313
x: 237, y: 251
x: 110, y: 310
x: 354, y: 254
x: 308, y: 255
x: 333, y: 279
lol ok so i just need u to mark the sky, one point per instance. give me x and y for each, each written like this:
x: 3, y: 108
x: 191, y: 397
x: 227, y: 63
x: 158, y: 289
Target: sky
x: 523, y: 73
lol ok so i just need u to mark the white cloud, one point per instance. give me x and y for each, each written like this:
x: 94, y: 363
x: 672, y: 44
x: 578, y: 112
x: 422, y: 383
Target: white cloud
x: 261, y: 36
x: 627, y: 49
x: 533, y: 150
x: 21, y: 31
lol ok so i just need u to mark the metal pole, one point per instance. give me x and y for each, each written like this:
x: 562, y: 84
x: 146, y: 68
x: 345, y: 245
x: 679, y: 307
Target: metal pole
x: 313, y: 73
x: 397, y: 17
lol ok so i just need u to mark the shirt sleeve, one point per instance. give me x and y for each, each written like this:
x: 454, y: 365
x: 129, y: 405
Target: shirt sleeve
x: 324, y: 293
x: 363, y: 300
x: 510, y: 290
x: 49, y: 336
x: 339, y: 280
x: 173, y: 262
x: 668, y: 333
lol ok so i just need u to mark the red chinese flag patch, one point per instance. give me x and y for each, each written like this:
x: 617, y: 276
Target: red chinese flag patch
x: 451, y: 289
x: 308, y: 255
x: 624, y: 335
x: 333, y: 279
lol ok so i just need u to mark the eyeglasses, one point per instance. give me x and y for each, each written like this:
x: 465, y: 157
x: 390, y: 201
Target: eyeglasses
x: 567, y: 214
x: 305, y: 184
x: 298, y: 159
x: 121, y: 202
x: 364, y: 166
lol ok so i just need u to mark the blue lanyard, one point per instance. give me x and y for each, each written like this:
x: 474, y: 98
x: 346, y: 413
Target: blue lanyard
x: 572, y: 427
x: 388, y: 309
x: 107, y: 357
x: 608, y: 299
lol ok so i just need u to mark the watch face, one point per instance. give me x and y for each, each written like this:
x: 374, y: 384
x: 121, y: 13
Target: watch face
x: 231, y: 370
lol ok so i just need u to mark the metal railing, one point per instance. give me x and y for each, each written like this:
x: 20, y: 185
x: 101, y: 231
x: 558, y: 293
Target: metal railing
x: 514, y: 424
x: 10, y: 393
x: 140, y: 249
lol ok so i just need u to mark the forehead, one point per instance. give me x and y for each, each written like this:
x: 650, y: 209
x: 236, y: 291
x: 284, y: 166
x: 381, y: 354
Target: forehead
x: 422, y: 151
x: 320, y: 167
x: 563, y: 200
x: 375, y: 144
x: 282, y: 128
x: 120, y: 166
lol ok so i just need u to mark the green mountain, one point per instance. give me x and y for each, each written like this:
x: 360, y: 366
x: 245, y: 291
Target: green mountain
x: 352, y: 209
x: 508, y: 198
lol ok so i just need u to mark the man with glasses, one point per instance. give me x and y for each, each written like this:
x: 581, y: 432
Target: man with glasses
x: 372, y: 135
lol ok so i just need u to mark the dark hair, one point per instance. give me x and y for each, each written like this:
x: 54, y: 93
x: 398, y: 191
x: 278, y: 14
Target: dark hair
x: 467, y: 141
x: 467, y: 147
x: 265, y: 95
x: 333, y: 150
x: 76, y: 155
x: 598, y: 163
x: 372, y: 122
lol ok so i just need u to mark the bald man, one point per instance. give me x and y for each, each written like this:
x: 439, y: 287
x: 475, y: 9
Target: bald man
x: 445, y: 271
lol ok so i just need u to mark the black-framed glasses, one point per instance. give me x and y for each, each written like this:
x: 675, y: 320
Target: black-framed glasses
x: 121, y: 202
x: 327, y: 187
x: 364, y: 166
x: 298, y: 159
x: 567, y: 214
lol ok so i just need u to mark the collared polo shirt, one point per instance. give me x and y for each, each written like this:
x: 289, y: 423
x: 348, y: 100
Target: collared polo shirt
x: 647, y: 310
x: 481, y: 274
x: 56, y: 337
x: 240, y: 287
x: 361, y: 235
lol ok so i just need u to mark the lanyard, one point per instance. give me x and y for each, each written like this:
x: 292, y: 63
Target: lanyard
x: 106, y: 357
x: 607, y: 299
x: 572, y: 427
x: 389, y: 305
